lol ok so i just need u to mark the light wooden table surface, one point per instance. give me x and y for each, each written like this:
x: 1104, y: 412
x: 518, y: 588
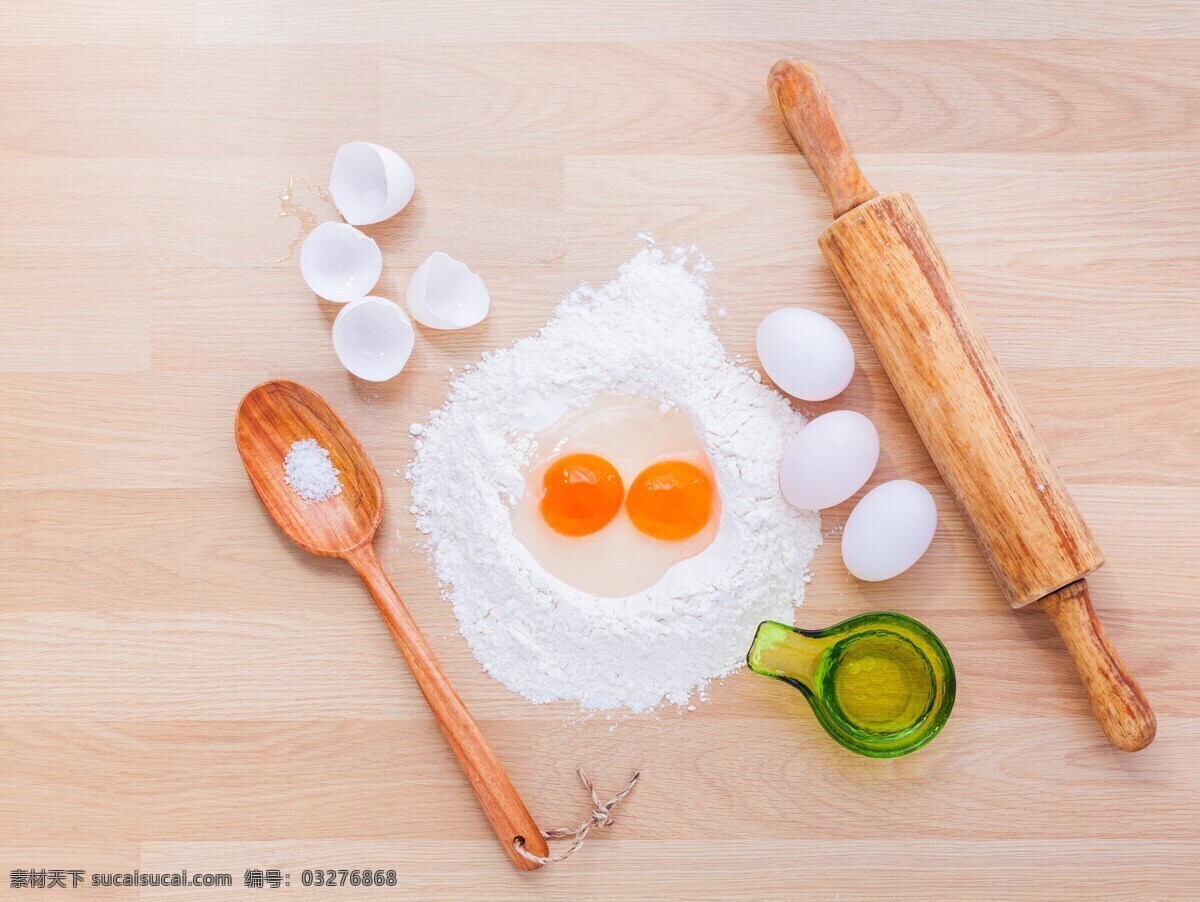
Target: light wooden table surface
x: 181, y: 687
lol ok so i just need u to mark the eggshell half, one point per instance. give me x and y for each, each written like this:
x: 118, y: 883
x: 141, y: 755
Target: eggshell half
x: 339, y: 262
x: 444, y: 294
x: 370, y: 183
x: 373, y: 338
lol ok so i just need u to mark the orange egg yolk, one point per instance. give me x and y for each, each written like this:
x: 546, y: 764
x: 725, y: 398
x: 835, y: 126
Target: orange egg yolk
x: 670, y: 500
x: 583, y: 493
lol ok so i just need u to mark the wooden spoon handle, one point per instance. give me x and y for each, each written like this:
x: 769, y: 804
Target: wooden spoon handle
x: 501, y: 804
x: 808, y: 115
x: 1117, y: 700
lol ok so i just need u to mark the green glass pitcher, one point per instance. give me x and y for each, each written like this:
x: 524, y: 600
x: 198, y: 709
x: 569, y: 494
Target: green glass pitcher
x: 880, y: 684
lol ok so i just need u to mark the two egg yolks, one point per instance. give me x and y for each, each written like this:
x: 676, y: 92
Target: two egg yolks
x: 669, y: 500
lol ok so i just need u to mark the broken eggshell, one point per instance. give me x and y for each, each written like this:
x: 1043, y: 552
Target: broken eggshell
x: 444, y: 294
x: 372, y: 338
x: 339, y: 262
x: 369, y: 183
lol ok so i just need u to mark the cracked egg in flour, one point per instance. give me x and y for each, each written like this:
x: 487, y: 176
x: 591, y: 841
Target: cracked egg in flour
x: 617, y: 493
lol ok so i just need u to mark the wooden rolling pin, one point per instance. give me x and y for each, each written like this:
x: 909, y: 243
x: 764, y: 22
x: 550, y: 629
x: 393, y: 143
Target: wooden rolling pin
x: 968, y: 415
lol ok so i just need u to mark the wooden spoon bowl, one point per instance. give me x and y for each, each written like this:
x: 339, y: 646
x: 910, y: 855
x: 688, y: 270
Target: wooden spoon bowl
x: 269, y: 419
x: 273, y: 416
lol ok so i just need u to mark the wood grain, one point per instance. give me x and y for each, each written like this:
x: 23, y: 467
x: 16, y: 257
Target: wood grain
x: 182, y: 686
x: 270, y: 419
x: 1117, y: 701
x: 961, y: 403
x: 802, y: 103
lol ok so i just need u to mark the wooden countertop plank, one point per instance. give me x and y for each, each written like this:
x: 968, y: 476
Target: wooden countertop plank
x: 181, y: 687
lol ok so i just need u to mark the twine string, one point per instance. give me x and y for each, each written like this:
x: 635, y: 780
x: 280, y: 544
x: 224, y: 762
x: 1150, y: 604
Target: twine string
x: 601, y: 817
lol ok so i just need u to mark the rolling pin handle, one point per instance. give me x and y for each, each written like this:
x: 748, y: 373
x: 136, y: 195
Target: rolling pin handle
x: 808, y: 115
x: 1117, y: 700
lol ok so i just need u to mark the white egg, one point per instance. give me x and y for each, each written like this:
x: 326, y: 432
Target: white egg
x: 339, y: 262
x: 805, y: 354
x: 373, y: 338
x: 889, y: 530
x: 370, y: 183
x: 444, y: 294
x: 829, y: 460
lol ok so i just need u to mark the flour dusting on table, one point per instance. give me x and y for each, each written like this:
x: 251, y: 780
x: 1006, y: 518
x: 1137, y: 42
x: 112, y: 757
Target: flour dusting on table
x: 646, y: 333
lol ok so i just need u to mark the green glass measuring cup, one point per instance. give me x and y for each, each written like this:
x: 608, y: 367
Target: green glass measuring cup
x: 880, y: 684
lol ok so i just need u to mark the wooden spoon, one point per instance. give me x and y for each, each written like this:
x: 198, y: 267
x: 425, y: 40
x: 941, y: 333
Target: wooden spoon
x: 269, y: 419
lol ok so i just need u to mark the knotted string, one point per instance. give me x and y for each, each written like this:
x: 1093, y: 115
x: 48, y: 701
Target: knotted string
x: 601, y: 817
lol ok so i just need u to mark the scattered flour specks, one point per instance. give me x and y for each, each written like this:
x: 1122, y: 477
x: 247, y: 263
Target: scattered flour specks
x: 646, y: 333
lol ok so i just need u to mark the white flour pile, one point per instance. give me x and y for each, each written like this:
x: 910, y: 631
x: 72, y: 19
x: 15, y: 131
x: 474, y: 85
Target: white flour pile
x: 645, y: 333
x: 310, y: 473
